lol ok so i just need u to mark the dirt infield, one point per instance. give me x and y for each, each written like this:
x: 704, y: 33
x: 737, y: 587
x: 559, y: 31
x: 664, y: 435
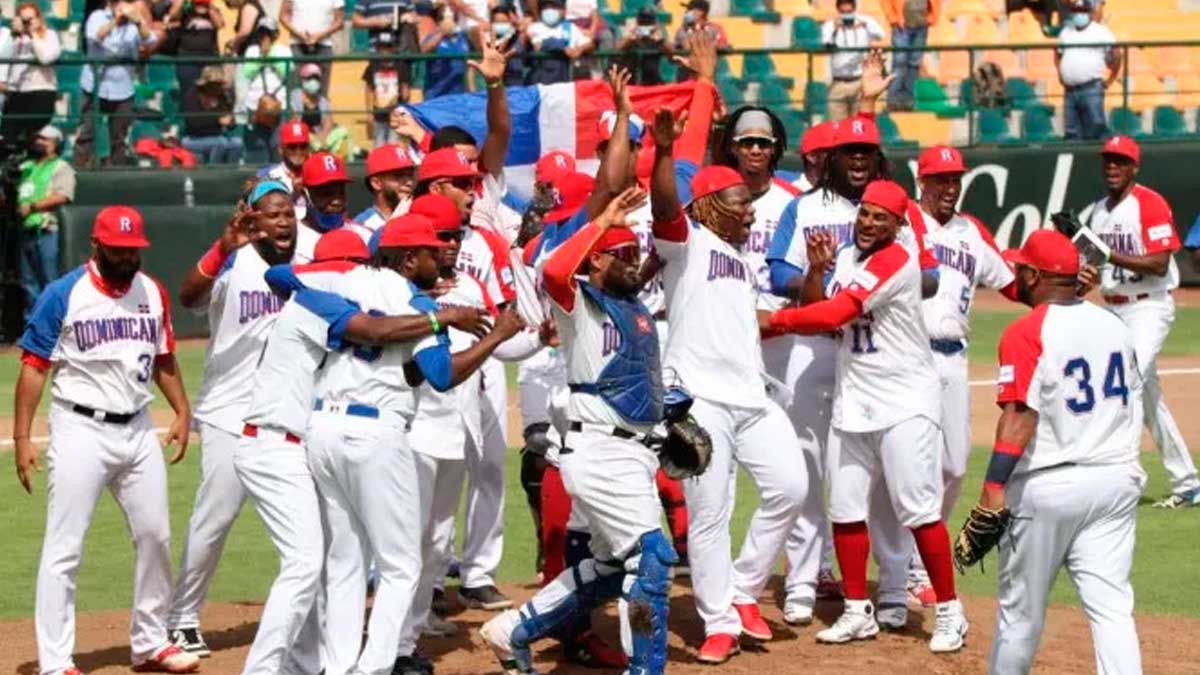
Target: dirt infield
x: 1066, y: 647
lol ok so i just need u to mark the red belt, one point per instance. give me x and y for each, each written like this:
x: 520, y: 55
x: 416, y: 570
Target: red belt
x: 1124, y: 299
x: 251, y: 431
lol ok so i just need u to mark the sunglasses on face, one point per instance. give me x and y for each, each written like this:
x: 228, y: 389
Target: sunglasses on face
x: 626, y: 254
x: 450, y: 235
x: 756, y: 141
x: 464, y: 183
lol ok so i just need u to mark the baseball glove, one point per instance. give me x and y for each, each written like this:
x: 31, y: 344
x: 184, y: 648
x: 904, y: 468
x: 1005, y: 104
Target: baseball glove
x: 980, y: 534
x: 687, y: 449
x: 1066, y: 222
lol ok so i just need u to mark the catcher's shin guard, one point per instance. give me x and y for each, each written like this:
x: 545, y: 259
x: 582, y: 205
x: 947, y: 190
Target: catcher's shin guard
x: 646, y: 603
x: 559, y: 604
x: 533, y: 468
x: 670, y: 493
x: 556, y: 511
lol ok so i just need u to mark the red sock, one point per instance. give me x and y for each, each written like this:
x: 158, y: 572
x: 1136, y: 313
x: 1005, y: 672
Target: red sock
x: 933, y: 543
x: 670, y: 493
x: 853, y: 546
x: 556, y: 511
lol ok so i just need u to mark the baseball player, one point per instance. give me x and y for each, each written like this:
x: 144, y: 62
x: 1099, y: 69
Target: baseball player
x: 1136, y: 282
x: 610, y: 346
x: 104, y: 329
x: 228, y: 283
x: 814, y: 152
x: 325, y: 179
x: 390, y: 177
x: 706, y: 276
x: 885, y: 408
x: 295, y: 149
x: 1065, y: 462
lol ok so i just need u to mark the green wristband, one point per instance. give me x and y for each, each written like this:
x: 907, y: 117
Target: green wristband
x: 433, y: 322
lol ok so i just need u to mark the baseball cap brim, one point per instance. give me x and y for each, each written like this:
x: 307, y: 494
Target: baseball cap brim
x: 124, y: 241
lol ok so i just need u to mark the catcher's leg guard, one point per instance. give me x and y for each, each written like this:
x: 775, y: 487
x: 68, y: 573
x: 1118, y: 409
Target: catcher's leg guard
x: 560, y: 602
x: 578, y: 550
x: 670, y: 493
x: 533, y: 467
x: 645, y: 603
x: 556, y: 512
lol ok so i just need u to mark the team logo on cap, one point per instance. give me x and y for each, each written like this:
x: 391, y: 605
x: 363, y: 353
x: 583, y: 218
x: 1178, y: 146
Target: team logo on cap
x: 947, y: 155
x: 124, y: 224
x: 330, y: 163
x: 462, y: 158
x: 856, y: 127
x: 560, y: 162
x: 1114, y: 142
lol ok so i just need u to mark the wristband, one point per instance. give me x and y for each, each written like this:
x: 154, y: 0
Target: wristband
x: 433, y: 322
x: 211, y: 262
x: 1004, y: 460
x: 495, y: 85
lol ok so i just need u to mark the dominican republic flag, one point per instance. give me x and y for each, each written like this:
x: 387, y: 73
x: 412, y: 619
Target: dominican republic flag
x: 549, y: 117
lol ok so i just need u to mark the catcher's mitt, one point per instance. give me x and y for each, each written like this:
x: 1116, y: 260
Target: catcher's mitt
x: 687, y: 449
x: 979, y: 534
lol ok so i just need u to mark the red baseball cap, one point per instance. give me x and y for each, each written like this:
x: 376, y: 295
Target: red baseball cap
x: 439, y: 209
x: 411, y: 230
x: 856, y: 131
x: 553, y: 166
x: 887, y: 194
x: 1048, y: 251
x: 446, y: 163
x: 571, y: 193
x: 321, y: 168
x: 940, y: 159
x: 340, y: 244
x: 389, y: 157
x: 614, y: 238
x: 817, y: 137
x: 294, y: 132
x: 119, y: 226
x: 712, y: 179
x: 1122, y: 146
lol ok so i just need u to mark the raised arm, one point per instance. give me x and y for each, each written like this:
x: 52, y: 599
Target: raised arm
x: 614, y: 172
x: 198, y: 281
x: 692, y: 144
x: 558, y: 274
x: 669, y: 222
x: 491, y: 67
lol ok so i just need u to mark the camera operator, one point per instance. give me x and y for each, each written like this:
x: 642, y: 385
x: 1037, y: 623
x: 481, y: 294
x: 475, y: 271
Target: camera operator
x: 47, y: 183
x: 644, y: 34
x: 847, y: 30
x: 31, y: 87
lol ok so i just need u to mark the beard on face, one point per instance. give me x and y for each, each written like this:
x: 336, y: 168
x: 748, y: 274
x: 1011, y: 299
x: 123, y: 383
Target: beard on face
x: 392, y: 197
x: 118, y: 273
x: 272, y: 254
x: 1024, y: 291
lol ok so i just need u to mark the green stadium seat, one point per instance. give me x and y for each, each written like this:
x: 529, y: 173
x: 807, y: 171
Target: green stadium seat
x: 992, y: 127
x: 1169, y: 123
x: 160, y: 77
x: 889, y: 133
x: 816, y: 98
x: 930, y: 97
x: 805, y: 32
x: 360, y: 40
x: 755, y: 9
x: 723, y: 70
x: 731, y: 91
x: 774, y: 95
x: 69, y: 74
x: 1037, y: 126
x: 760, y: 68
x: 669, y: 70
x: 1125, y: 121
x: 631, y: 7
x: 794, y: 124
x: 144, y: 129
x: 1021, y: 94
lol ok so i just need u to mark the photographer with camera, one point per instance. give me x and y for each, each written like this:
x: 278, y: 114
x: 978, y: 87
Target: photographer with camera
x: 644, y: 42
x: 47, y: 183
x: 847, y: 30
x: 116, y: 32
x: 30, y: 88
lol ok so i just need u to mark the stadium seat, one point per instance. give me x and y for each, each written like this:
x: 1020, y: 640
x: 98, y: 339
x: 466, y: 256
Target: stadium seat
x: 1021, y: 94
x: 731, y: 91
x: 805, y: 33
x: 1006, y: 59
x: 1039, y: 65
x: 944, y: 33
x: 1139, y: 63
x: 953, y: 66
x: 1170, y: 61
x: 992, y: 127
x: 760, y: 68
x: 755, y: 9
x: 1125, y: 121
x: 794, y: 124
x: 1037, y: 126
x: 1187, y: 90
x: 932, y: 98
x: 982, y: 30
x: 1169, y: 122
x: 889, y: 133
x: 69, y: 74
x: 1024, y: 28
x: 816, y: 98
x: 772, y: 94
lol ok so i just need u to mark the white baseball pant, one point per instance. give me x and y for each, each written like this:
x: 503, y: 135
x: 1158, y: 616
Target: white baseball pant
x: 367, y: 480
x: 483, y: 545
x: 219, y: 499
x: 84, y: 457
x: 537, y: 378
x: 1150, y: 320
x: 905, y: 458
x: 275, y: 473
x: 1083, y: 518
x: 439, y: 486
x: 764, y: 444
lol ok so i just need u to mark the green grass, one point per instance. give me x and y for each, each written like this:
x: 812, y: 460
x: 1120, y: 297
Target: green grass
x: 1163, y: 570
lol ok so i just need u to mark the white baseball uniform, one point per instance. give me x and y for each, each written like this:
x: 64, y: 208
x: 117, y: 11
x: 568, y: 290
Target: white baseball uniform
x: 365, y: 224
x: 102, y: 345
x: 366, y: 477
x: 1142, y: 224
x: 241, y: 311
x: 720, y: 363
x: 272, y: 464
x: 306, y: 242
x: 1074, y: 492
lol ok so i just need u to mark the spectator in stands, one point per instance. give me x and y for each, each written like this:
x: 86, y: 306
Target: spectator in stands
x: 1081, y: 72
x: 561, y: 41
x: 449, y: 75
x: 296, y: 147
x: 397, y: 18
x: 585, y: 15
x: 646, y: 42
x: 157, y: 26
x: 251, y: 22
x: 696, y: 19
x: 30, y: 87
x: 910, y: 21
x: 192, y: 27
x: 118, y: 31
x: 208, y: 118
x: 312, y: 107
x: 312, y: 24
x: 262, y: 93
x: 47, y: 183
x: 381, y: 81
x: 509, y: 29
x: 854, y: 31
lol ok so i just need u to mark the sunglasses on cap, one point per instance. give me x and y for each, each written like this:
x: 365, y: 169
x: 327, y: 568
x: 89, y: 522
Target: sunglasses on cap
x: 755, y: 141
x: 451, y: 235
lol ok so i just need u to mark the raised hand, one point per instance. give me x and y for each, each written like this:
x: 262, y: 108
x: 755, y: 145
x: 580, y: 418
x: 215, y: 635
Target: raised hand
x: 666, y: 128
x: 493, y: 63
x: 240, y: 229
x: 618, y: 209
x: 874, y: 83
x: 402, y: 122
x: 618, y: 78
x: 702, y: 55
x: 819, y: 247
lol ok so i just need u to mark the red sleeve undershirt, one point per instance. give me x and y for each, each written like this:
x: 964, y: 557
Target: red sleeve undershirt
x: 693, y: 144
x: 675, y: 230
x: 559, y: 272
x: 35, y: 361
x: 819, y: 317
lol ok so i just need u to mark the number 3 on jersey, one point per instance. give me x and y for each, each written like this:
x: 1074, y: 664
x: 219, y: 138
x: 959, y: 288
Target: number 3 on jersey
x: 1080, y: 370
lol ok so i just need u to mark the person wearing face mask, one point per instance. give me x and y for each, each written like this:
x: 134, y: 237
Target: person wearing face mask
x: 563, y: 41
x: 384, y: 86
x: 508, y: 27
x: 47, y: 183
x: 313, y: 108
x: 695, y: 20
x: 324, y: 179
x: 643, y: 34
x: 448, y: 75
x: 847, y: 30
x: 1081, y: 70
x: 390, y: 178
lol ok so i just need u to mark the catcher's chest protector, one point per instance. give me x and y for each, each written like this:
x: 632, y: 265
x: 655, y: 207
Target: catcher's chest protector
x: 632, y: 381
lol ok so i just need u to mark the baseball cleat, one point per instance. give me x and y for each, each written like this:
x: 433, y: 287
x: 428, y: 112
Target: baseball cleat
x: 857, y: 622
x: 170, y: 659
x: 587, y: 649
x: 718, y: 648
x: 892, y: 615
x: 1179, y: 500
x: 438, y: 627
x: 72, y: 671
x: 828, y: 587
x: 484, y: 597
x: 497, y: 634
x: 753, y: 625
x: 949, y: 627
x: 797, y: 614
x: 439, y: 605
x: 413, y: 664
x: 922, y: 594
x: 191, y: 641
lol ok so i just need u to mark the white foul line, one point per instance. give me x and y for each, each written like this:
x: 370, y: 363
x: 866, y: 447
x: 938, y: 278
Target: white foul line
x: 8, y: 443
